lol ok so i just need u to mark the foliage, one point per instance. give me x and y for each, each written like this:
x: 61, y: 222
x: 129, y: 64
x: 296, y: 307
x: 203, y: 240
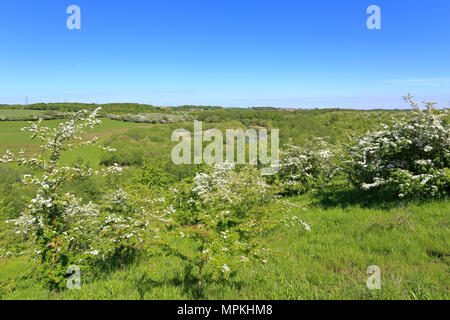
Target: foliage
x: 153, y: 175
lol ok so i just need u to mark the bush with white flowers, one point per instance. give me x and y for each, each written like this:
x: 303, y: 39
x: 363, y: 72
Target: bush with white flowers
x: 222, y: 215
x: 114, y: 229
x: 303, y: 168
x: 411, y: 156
x: 64, y: 229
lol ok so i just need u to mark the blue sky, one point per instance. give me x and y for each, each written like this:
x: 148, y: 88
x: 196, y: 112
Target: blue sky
x: 287, y: 53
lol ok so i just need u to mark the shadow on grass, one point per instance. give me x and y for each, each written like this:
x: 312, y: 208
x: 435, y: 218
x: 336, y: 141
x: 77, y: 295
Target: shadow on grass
x: 115, y: 262
x: 344, y: 196
x: 188, y: 282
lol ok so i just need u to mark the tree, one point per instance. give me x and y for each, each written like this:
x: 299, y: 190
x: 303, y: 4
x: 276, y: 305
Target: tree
x: 46, y: 217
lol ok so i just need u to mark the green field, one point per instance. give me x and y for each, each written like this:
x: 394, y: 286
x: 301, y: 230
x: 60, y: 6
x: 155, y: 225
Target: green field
x: 18, y: 113
x: 350, y: 229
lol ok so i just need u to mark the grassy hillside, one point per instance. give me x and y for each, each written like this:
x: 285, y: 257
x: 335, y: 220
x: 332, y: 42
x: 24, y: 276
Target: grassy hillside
x: 350, y: 229
x: 409, y: 243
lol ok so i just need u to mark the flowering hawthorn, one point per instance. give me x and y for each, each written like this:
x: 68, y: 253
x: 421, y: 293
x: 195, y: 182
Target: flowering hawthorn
x: 49, y: 213
x: 410, y: 156
x: 223, y: 215
x: 303, y: 168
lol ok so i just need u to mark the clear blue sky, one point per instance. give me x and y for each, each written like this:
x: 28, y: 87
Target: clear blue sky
x: 289, y: 53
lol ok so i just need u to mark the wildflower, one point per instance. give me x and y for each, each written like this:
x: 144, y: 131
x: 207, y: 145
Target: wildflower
x: 225, y: 269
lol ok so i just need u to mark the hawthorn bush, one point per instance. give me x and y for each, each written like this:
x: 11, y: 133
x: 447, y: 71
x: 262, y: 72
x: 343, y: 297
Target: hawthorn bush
x: 63, y: 230
x: 222, y: 215
x: 307, y: 167
x: 411, y: 156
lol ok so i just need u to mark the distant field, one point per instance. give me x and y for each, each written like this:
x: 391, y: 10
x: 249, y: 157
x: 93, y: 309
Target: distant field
x: 13, y: 113
x: 13, y: 139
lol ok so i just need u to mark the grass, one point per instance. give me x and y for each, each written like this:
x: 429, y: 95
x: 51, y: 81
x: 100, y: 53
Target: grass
x: 19, y: 113
x: 408, y: 242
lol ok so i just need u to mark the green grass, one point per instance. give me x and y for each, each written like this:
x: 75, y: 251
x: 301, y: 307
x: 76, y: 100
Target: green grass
x: 19, y: 113
x: 410, y: 244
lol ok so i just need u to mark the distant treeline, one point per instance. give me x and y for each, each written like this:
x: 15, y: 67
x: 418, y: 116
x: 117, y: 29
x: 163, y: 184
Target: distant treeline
x: 117, y: 108
x: 108, y: 108
x: 125, y: 108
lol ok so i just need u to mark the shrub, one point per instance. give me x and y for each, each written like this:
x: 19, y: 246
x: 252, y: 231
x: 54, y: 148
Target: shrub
x: 153, y: 175
x: 303, y: 168
x: 408, y: 156
x: 51, y: 214
x: 110, y: 231
x: 222, y: 215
